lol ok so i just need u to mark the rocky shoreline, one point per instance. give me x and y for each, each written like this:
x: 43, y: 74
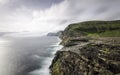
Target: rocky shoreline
x: 82, y: 55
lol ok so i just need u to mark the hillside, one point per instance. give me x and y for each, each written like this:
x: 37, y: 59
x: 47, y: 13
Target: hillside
x: 94, y: 28
x: 90, y: 48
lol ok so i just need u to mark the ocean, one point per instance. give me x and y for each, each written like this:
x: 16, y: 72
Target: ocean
x: 27, y: 55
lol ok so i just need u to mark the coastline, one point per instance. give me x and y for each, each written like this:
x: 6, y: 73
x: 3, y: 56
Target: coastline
x: 83, y: 55
x: 47, y: 61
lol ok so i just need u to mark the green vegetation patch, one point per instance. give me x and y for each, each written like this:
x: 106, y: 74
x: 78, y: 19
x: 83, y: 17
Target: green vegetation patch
x: 95, y: 28
x: 56, y: 68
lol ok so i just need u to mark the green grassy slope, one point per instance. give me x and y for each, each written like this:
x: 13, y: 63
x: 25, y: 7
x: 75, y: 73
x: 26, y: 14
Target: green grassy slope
x: 94, y: 28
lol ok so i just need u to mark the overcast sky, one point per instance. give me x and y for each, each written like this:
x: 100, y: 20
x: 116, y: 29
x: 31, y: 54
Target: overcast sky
x: 51, y: 15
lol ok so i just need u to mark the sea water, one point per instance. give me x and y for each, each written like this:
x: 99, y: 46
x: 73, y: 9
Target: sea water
x: 27, y: 55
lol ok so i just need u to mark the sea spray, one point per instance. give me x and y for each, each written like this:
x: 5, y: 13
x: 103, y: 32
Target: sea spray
x: 44, y: 70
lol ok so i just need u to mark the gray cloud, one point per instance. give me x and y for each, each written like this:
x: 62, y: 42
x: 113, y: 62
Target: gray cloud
x: 83, y: 10
x: 31, y: 4
x: 47, y: 15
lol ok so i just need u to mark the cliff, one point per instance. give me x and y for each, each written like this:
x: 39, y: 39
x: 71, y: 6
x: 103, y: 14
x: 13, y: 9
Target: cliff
x: 90, y: 48
x: 54, y: 34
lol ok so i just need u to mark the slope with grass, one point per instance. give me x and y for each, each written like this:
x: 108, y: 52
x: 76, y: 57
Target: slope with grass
x: 94, y: 28
x: 90, y: 48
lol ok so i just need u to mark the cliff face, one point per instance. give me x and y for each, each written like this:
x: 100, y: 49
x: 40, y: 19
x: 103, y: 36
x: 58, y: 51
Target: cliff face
x: 54, y: 34
x: 89, y: 55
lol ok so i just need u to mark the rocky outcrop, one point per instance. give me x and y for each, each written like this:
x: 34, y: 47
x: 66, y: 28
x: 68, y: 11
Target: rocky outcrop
x: 54, y: 34
x: 83, y: 55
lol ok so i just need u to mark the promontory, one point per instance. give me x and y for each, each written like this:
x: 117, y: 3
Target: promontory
x: 89, y: 48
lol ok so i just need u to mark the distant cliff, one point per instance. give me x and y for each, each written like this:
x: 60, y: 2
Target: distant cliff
x: 54, y: 34
x: 90, y: 48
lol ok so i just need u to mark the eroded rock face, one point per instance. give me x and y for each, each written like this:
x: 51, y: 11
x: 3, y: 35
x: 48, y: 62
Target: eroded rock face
x: 68, y: 64
x: 93, y: 59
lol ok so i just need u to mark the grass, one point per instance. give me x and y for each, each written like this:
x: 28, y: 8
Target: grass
x: 112, y: 33
x: 95, y: 28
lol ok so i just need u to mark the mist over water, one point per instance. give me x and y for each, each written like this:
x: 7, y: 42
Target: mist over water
x: 27, y: 55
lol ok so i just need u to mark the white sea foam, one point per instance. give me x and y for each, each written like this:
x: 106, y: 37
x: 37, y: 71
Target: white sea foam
x: 44, y: 70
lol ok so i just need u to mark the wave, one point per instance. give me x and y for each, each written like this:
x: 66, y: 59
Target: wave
x: 44, y: 70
